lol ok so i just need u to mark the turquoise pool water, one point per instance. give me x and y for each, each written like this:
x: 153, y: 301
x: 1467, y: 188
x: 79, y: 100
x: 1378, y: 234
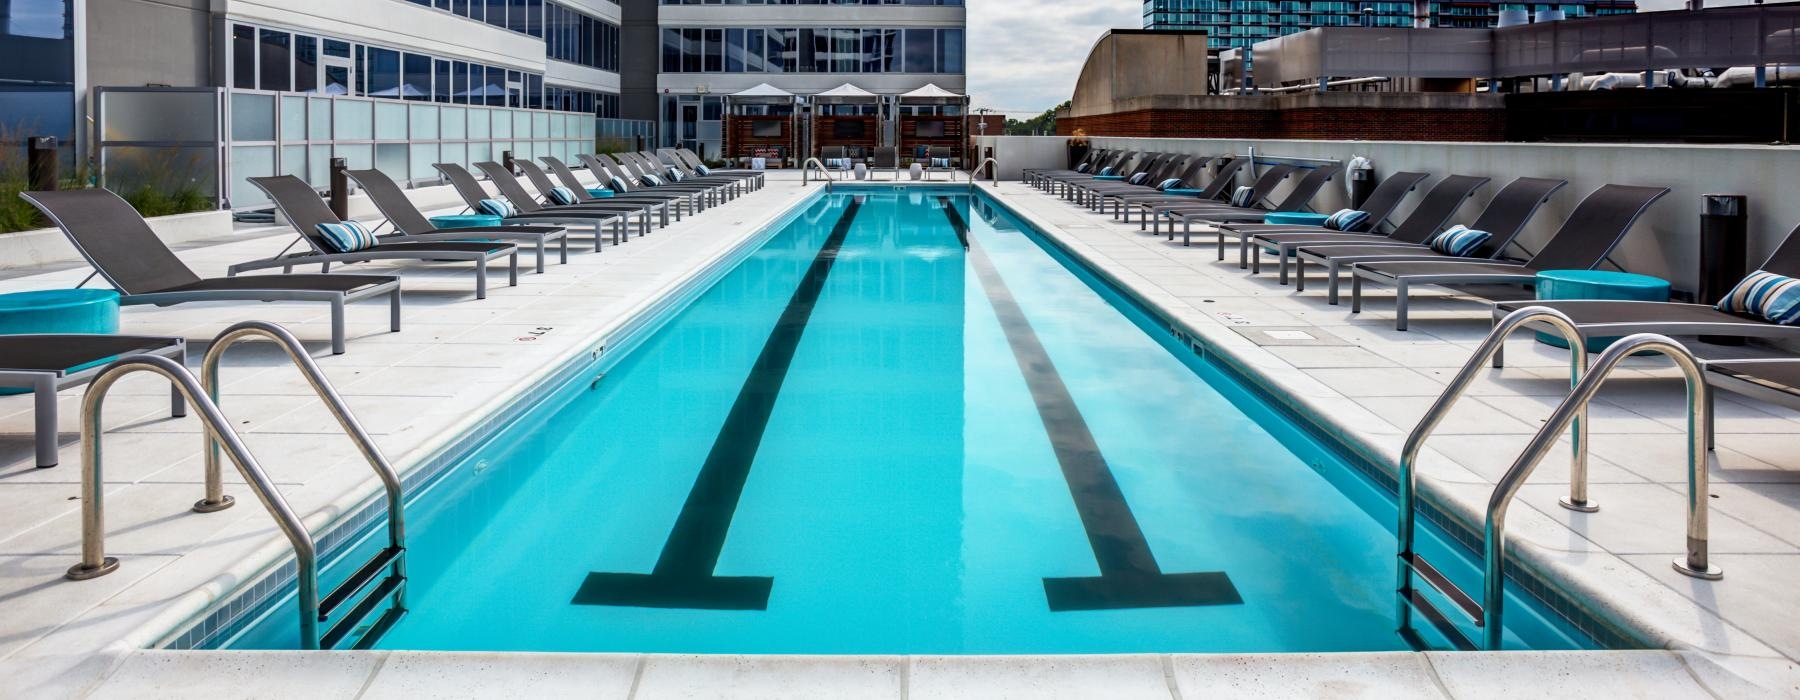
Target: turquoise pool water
x: 905, y: 425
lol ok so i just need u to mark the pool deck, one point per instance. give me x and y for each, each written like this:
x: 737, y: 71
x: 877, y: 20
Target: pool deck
x: 459, y: 360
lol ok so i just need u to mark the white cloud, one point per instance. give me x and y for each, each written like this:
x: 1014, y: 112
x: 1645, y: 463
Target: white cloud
x: 1024, y: 55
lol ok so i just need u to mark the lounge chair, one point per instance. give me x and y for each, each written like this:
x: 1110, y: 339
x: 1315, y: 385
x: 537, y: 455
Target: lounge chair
x: 1584, y: 241
x: 673, y: 165
x: 522, y: 199
x: 1297, y: 199
x: 935, y: 155
x: 1120, y: 163
x: 541, y: 180
x: 123, y: 250
x: 1215, y: 188
x: 1607, y: 318
x: 306, y: 212
x: 1260, y: 189
x: 410, y: 224
x: 695, y: 202
x: 1189, y: 175
x: 1094, y: 159
x: 1426, y: 219
x: 1504, y: 218
x: 472, y: 193
x: 648, y: 163
x: 1383, y: 201
x: 48, y: 363
x: 756, y: 178
x: 1078, y: 190
x: 1092, y: 194
x: 629, y: 171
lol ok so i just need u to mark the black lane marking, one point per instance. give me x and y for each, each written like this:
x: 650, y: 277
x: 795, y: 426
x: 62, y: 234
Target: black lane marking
x: 683, y: 577
x: 956, y: 221
x: 1129, y: 576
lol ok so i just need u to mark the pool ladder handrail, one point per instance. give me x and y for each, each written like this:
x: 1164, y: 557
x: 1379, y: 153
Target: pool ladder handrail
x: 807, y: 168
x: 993, y: 177
x: 219, y: 433
x: 1570, y: 414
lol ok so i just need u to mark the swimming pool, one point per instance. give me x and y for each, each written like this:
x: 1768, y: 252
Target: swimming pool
x: 905, y: 424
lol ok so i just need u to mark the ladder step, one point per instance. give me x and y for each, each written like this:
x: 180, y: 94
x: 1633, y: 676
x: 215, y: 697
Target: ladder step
x: 358, y: 581
x: 1437, y: 580
x: 378, y: 629
x: 344, y: 627
x: 1438, y: 622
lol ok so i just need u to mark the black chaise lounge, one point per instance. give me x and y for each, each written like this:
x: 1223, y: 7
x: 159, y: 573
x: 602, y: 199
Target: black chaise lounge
x: 1605, y: 319
x: 1215, y: 188
x: 1584, y: 241
x: 756, y: 178
x: 48, y: 363
x: 1188, y: 176
x: 646, y: 163
x: 301, y: 206
x: 1504, y: 218
x: 522, y: 199
x: 410, y: 224
x: 541, y: 180
x: 123, y: 250
x: 1259, y: 191
x: 1382, y: 201
x: 1297, y: 199
x: 887, y: 158
x: 1426, y: 219
x: 472, y: 193
x: 694, y: 203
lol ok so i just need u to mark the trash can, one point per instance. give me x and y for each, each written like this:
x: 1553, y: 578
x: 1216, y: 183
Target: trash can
x: 1724, y: 233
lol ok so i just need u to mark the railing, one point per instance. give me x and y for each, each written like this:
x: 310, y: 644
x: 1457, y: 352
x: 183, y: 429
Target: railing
x: 993, y: 175
x: 1410, y: 563
x: 807, y: 168
x: 219, y: 434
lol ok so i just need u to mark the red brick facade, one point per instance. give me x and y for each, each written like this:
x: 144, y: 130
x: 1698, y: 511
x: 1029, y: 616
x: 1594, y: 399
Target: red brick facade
x: 1323, y: 123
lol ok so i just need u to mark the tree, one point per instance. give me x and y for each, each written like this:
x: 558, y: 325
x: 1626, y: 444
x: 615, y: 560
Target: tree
x: 1041, y: 124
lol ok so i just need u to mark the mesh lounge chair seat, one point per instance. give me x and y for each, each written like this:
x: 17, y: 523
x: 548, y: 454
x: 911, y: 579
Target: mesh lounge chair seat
x: 1774, y: 381
x: 1297, y: 199
x: 124, y: 251
x: 1426, y: 219
x: 1210, y: 194
x: 1380, y: 205
x: 522, y: 199
x: 1093, y: 194
x: 303, y: 208
x: 634, y: 169
x: 48, y: 363
x: 694, y: 203
x: 1504, y: 217
x: 1187, y: 176
x: 1584, y: 241
x: 472, y: 193
x: 691, y: 162
x: 647, y: 163
x: 1265, y: 185
x: 544, y: 184
x: 618, y: 176
x: 413, y: 225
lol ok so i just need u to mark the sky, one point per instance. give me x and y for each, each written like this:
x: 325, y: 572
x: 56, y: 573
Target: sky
x: 1024, y: 55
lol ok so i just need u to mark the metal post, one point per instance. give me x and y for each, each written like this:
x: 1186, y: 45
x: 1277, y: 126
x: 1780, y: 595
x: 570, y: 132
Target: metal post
x: 41, y: 163
x: 506, y: 161
x: 340, y: 188
x: 1724, y: 229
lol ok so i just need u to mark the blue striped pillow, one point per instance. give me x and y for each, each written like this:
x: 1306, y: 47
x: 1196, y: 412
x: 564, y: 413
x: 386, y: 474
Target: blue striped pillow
x: 1460, y: 241
x: 1139, y: 178
x: 347, y: 236
x: 651, y: 181
x: 675, y: 175
x: 1106, y: 171
x: 619, y: 184
x: 703, y: 170
x: 562, y: 196
x: 1346, y: 220
x: 1766, y: 294
x: 1083, y: 168
x: 497, y: 207
x: 1243, y: 197
x: 940, y: 162
x: 1169, y: 183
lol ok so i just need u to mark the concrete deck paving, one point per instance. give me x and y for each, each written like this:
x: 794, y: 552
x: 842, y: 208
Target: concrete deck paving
x: 459, y: 360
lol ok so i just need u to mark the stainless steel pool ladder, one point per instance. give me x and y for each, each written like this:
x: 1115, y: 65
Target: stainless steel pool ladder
x: 219, y: 433
x: 1571, y: 415
x: 807, y: 168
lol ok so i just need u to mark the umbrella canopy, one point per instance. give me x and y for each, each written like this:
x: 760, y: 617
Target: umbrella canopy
x: 932, y: 92
x: 846, y: 93
x: 763, y: 90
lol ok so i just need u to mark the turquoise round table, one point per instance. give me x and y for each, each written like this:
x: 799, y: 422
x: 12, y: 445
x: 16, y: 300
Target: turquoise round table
x: 58, y: 311
x: 1296, y: 218
x: 1597, y: 284
x: 465, y: 221
x: 598, y: 192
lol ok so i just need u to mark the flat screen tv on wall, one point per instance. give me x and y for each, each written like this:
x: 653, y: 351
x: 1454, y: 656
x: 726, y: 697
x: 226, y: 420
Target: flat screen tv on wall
x: 848, y: 130
x: 931, y: 130
x: 766, y: 130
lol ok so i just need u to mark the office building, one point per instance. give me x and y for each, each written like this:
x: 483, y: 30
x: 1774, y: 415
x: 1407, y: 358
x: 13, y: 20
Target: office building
x: 1242, y: 23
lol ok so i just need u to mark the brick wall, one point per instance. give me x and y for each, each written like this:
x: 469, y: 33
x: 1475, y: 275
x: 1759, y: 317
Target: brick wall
x: 1323, y: 123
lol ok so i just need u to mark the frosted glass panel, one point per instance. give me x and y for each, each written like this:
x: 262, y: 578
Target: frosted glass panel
x: 293, y: 119
x: 559, y: 126
x: 423, y: 155
x: 453, y: 123
x: 479, y: 121
x: 320, y: 126
x: 318, y: 167
x: 480, y: 151
x: 252, y: 117
x: 522, y: 124
x: 357, y: 156
x: 390, y: 121
x: 248, y: 162
x: 540, y: 125
x: 160, y: 116
x: 424, y: 123
x: 454, y: 153
x: 390, y: 158
x: 355, y: 121
x: 503, y: 125
x: 293, y: 161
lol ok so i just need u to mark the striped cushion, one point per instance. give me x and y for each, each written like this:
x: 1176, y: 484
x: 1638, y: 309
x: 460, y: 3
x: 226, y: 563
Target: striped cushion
x: 1106, y: 170
x: 940, y: 162
x: 347, y: 236
x: 1766, y: 294
x: 497, y: 207
x: 1166, y: 184
x: 1139, y: 178
x: 1083, y: 168
x: 562, y: 196
x: 651, y: 181
x: 703, y: 170
x: 619, y: 184
x: 1346, y: 220
x: 675, y: 175
x: 1460, y: 241
x: 1243, y: 197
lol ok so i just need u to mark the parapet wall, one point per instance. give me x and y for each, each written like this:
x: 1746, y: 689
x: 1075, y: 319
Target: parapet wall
x: 1371, y: 116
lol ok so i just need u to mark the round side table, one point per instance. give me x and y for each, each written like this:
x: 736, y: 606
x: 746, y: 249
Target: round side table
x: 1597, y: 284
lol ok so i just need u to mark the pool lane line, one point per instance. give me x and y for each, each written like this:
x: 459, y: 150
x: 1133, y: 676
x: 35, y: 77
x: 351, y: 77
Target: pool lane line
x: 683, y: 576
x: 1129, y: 575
